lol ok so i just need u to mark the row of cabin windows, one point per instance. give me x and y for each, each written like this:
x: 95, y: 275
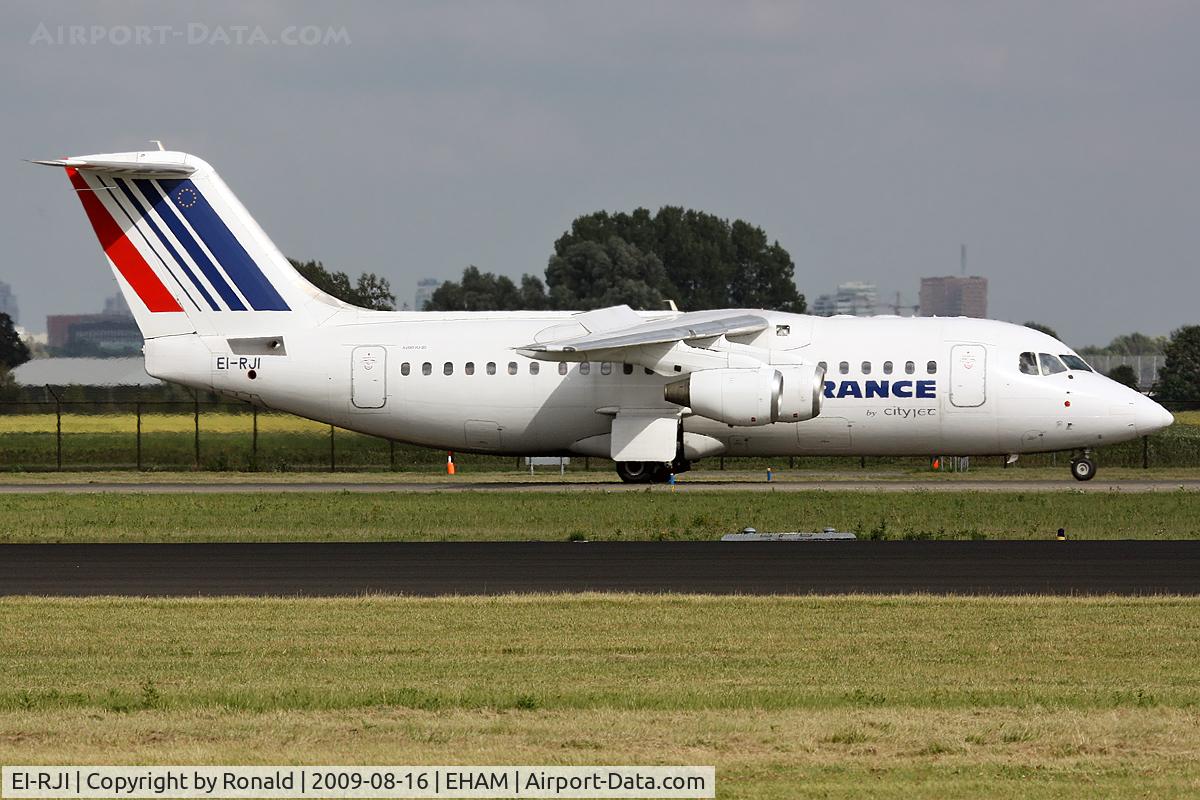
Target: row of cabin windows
x: 910, y: 368
x: 535, y: 367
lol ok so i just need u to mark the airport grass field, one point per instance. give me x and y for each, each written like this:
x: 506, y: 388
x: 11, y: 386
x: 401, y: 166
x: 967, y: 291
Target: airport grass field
x: 687, y: 514
x: 847, y: 697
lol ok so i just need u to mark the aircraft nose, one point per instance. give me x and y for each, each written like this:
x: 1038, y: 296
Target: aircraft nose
x: 1150, y: 417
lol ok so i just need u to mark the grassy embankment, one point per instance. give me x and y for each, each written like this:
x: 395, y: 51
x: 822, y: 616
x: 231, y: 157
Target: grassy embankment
x: 788, y: 697
x: 690, y: 513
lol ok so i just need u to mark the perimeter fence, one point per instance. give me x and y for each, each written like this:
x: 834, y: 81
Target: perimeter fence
x: 213, y: 434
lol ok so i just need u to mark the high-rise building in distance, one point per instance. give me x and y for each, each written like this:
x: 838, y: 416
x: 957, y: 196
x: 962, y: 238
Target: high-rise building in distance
x: 425, y: 289
x: 8, y: 302
x: 856, y: 298
x: 954, y: 296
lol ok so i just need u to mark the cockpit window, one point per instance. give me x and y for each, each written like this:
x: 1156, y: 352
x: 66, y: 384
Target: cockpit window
x: 1075, y: 362
x: 1050, y: 364
x: 1029, y: 364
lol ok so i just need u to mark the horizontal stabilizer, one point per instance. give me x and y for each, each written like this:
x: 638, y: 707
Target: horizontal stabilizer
x: 142, y: 168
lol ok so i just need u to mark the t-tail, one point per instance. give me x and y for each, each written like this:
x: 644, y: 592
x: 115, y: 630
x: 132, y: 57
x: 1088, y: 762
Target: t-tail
x: 187, y: 255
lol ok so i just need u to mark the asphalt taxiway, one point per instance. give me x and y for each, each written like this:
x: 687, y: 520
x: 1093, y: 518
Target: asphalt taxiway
x: 466, y: 568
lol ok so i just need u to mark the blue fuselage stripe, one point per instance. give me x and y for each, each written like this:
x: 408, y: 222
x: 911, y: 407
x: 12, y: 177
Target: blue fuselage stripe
x: 161, y: 205
x: 224, y: 246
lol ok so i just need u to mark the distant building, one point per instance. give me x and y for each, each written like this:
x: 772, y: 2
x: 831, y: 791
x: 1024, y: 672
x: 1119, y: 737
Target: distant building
x: 425, y: 289
x: 8, y: 302
x: 954, y: 296
x: 855, y: 298
x: 116, y: 306
x: 93, y: 334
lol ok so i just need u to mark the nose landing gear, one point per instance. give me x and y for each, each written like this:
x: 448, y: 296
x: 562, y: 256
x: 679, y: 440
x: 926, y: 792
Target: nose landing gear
x: 1083, y: 468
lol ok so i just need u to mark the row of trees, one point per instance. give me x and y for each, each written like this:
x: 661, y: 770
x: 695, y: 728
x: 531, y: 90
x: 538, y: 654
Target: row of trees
x: 641, y: 259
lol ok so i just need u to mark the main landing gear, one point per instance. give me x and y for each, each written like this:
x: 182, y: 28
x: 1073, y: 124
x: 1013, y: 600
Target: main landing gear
x: 651, y: 471
x: 1083, y: 468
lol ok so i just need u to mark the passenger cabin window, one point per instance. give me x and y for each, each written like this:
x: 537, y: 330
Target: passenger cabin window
x: 1075, y: 362
x: 448, y: 368
x: 534, y: 368
x: 909, y: 368
x: 844, y: 367
x: 627, y: 369
x: 427, y: 368
x: 469, y: 368
x: 405, y: 368
x: 1028, y: 364
x: 1050, y: 364
x: 866, y: 368
x: 512, y: 368
x: 562, y: 368
x: 605, y: 368
x: 585, y: 367
x: 887, y: 368
x: 931, y: 368
x: 823, y: 365
x: 491, y: 368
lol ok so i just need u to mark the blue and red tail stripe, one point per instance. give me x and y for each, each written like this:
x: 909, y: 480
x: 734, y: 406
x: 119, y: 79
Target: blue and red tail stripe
x: 121, y: 251
x: 215, y: 279
x: 127, y: 190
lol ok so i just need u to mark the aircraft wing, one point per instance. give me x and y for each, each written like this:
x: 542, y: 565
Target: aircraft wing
x: 676, y: 329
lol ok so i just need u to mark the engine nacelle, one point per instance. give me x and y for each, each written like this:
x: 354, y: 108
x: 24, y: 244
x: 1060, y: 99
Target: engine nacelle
x: 803, y: 392
x: 751, y: 397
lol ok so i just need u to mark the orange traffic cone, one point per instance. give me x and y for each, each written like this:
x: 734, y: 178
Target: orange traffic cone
x: 450, y: 470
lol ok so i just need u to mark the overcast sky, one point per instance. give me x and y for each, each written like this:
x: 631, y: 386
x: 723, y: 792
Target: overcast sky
x: 1057, y: 140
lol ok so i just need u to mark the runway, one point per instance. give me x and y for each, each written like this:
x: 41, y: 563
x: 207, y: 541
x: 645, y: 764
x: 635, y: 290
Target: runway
x: 428, y: 569
x: 468, y: 485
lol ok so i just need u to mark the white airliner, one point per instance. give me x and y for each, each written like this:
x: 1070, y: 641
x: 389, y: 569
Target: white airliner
x: 222, y: 309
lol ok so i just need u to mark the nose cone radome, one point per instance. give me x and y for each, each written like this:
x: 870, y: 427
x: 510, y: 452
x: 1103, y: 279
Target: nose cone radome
x: 1150, y: 417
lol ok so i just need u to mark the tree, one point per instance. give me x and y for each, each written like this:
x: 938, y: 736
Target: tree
x: 696, y: 259
x: 369, y: 291
x: 708, y: 262
x: 484, y: 291
x: 1129, y: 344
x: 1046, y: 329
x: 13, y: 350
x: 592, y: 275
x: 1124, y: 375
x: 1179, y: 378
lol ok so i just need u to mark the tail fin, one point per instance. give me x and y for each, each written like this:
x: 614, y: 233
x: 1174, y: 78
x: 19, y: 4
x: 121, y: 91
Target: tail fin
x: 187, y: 255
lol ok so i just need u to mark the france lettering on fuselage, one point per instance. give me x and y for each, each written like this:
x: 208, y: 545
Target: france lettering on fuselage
x: 868, y: 389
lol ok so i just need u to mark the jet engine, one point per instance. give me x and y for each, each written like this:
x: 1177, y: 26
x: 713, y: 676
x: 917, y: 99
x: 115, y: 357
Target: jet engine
x: 751, y: 397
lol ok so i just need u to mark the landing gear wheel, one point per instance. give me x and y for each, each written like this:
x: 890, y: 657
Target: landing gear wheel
x: 1083, y: 469
x: 636, y: 471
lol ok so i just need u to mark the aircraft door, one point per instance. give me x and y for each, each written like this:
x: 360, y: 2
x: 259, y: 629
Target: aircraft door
x: 968, y: 375
x: 368, y: 376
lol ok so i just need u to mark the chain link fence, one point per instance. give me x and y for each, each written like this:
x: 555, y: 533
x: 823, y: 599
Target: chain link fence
x: 214, y: 435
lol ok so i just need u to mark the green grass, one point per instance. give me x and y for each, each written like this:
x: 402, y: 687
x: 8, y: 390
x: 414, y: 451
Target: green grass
x: 788, y: 697
x: 690, y: 513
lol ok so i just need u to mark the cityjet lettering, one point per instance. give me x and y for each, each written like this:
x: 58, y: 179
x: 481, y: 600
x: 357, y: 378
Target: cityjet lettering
x: 904, y: 389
